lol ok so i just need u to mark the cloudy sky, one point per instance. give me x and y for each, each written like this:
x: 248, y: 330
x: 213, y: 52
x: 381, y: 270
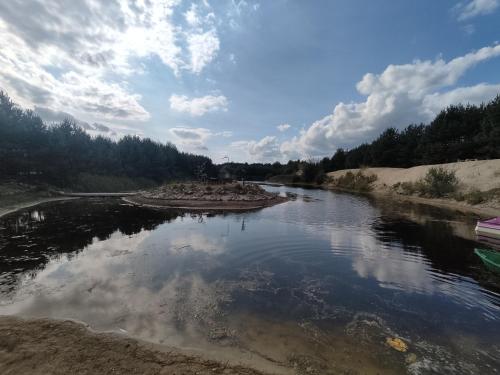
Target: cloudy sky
x: 255, y: 80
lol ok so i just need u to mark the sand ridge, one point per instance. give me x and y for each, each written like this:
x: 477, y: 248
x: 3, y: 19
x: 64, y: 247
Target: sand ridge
x: 482, y: 175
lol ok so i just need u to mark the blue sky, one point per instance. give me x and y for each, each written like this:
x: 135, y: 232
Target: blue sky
x: 254, y: 80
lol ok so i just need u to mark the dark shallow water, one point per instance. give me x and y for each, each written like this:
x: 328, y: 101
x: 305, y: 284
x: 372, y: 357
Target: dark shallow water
x: 316, y: 284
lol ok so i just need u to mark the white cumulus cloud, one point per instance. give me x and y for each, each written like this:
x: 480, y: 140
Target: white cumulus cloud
x: 198, y: 106
x: 76, y: 56
x: 203, y: 48
x: 283, y: 127
x: 265, y: 149
x: 472, y: 8
x: 399, y: 96
x: 195, y: 139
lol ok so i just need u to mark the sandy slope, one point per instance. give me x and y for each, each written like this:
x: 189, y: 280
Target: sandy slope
x: 482, y: 175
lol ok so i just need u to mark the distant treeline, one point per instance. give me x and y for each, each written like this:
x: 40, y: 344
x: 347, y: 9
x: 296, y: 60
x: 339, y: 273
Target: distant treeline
x: 65, y: 155
x: 61, y: 154
x: 457, y: 133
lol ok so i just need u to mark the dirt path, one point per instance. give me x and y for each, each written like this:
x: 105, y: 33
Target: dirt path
x: 42, y: 346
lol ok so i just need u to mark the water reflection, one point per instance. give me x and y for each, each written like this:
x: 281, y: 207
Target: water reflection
x: 295, y: 284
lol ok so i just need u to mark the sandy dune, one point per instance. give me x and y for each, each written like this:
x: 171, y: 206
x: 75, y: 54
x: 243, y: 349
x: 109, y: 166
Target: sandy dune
x: 483, y: 175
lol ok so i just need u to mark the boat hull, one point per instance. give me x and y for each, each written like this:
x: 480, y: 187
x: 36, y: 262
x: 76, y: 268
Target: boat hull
x: 488, y: 232
x: 492, y: 242
x: 490, y: 258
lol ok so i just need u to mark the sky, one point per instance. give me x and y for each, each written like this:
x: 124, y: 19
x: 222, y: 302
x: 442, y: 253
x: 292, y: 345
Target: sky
x: 250, y: 80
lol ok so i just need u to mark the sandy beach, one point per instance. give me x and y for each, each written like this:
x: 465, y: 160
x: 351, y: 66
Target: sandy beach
x: 43, y: 346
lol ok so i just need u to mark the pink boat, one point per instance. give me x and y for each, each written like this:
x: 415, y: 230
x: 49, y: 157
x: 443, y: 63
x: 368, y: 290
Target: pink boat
x: 489, y: 228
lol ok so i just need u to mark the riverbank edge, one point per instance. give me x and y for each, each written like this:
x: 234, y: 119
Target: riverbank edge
x: 202, y: 205
x: 44, y: 344
x: 484, y: 212
x: 9, y: 209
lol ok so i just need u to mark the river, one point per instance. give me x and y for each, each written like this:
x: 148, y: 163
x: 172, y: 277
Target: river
x: 315, y: 285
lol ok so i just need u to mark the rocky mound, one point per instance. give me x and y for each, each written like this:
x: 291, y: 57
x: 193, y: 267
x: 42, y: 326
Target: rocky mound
x: 207, y: 196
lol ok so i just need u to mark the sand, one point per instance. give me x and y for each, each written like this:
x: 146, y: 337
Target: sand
x: 43, y: 346
x: 482, y: 175
x: 199, y: 196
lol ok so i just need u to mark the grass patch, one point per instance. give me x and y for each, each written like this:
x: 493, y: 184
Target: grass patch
x: 476, y: 196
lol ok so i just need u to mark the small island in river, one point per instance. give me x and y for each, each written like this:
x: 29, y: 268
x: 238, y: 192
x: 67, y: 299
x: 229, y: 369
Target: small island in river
x: 204, y: 196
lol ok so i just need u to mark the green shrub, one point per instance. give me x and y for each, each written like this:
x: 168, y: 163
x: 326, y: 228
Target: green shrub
x: 438, y: 182
x: 408, y: 188
x: 475, y: 197
x: 355, y: 182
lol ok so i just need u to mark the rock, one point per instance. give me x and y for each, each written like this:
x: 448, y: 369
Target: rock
x: 397, y: 344
x: 411, y: 358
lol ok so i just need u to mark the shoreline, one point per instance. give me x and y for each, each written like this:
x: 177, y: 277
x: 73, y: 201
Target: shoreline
x: 9, y: 209
x: 484, y: 212
x: 200, y: 205
x: 42, y: 345
x: 473, y: 176
x: 198, y: 196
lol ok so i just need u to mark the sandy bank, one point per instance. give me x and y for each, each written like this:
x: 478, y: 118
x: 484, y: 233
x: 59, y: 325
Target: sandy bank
x: 42, y: 346
x: 5, y: 210
x: 196, y: 196
x: 482, y: 175
x: 17, y: 196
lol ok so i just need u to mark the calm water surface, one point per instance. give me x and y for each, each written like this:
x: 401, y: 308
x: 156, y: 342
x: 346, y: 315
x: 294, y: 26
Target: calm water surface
x: 315, y: 285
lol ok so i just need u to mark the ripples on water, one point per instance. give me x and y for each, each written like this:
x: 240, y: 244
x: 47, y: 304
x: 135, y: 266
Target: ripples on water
x: 317, y: 283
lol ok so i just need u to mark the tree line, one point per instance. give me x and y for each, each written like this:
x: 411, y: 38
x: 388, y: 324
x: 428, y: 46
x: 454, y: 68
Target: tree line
x: 457, y: 133
x: 59, y: 154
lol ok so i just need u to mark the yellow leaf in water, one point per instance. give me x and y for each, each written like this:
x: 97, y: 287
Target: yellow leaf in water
x: 397, y: 344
